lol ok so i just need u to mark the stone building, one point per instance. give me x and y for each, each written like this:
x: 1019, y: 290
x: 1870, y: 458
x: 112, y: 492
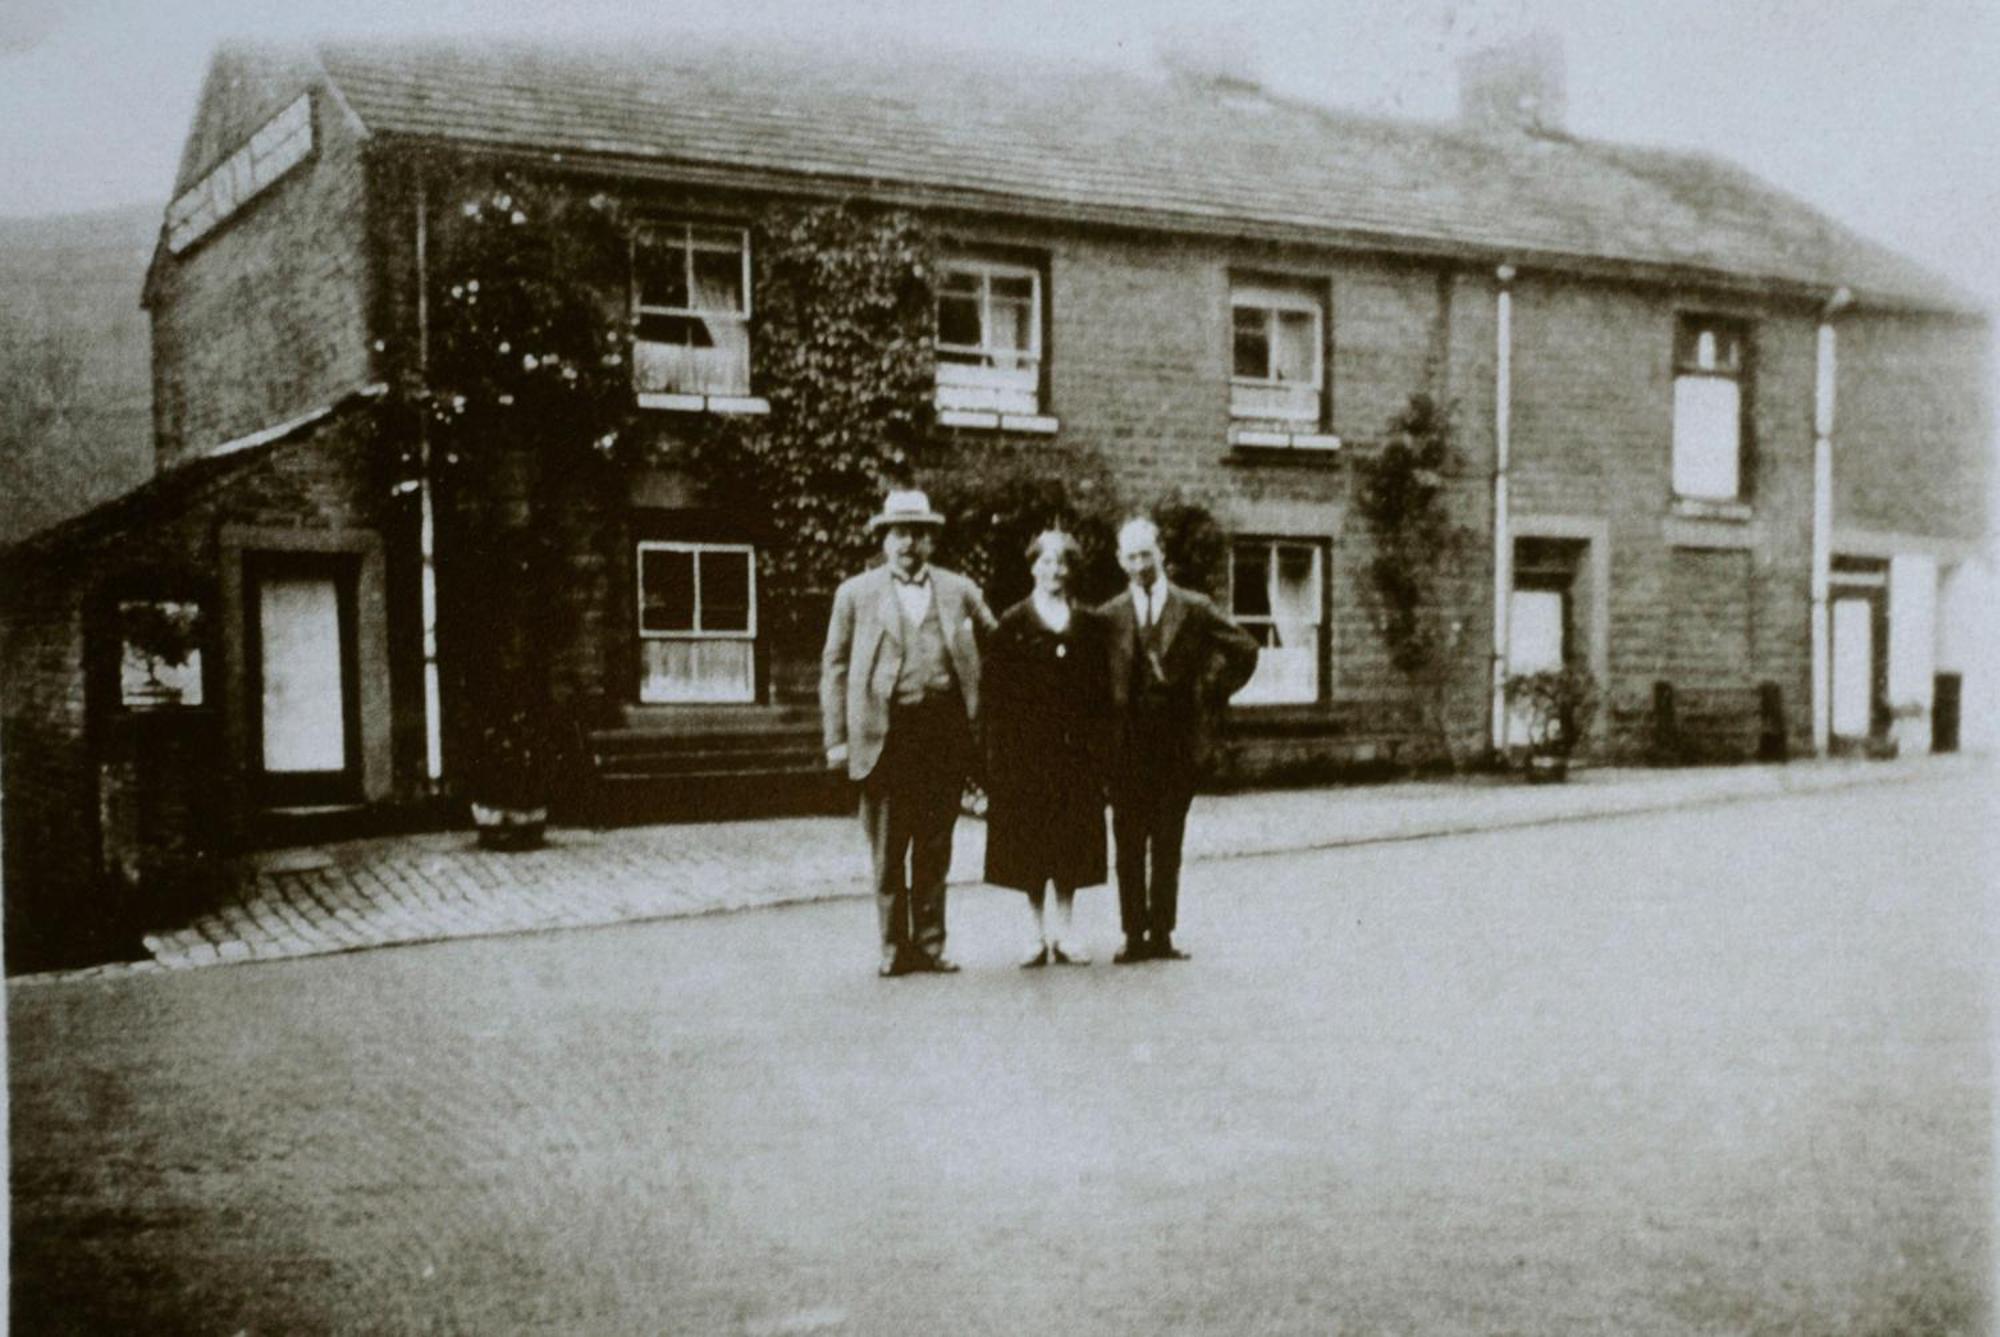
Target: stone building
x: 1715, y: 448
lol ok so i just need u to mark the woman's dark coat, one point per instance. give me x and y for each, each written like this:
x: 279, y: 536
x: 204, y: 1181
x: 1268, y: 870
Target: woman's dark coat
x: 1047, y: 699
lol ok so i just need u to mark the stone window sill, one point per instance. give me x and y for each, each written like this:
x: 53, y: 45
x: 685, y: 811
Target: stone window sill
x: 671, y: 403
x: 987, y: 420
x: 1692, y: 508
x: 1248, y: 437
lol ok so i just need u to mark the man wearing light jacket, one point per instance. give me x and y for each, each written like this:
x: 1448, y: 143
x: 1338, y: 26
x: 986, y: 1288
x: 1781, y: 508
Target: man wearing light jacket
x: 899, y: 699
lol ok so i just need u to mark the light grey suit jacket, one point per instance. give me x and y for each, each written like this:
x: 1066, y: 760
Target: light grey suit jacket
x: 864, y: 652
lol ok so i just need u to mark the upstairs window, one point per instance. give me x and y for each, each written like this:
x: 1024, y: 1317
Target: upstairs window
x: 1276, y: 593
x: 989, y: 337
x: 1278, y: 368
x: 1710, y: 369
x: 691, y: 301
x: 697, y: 622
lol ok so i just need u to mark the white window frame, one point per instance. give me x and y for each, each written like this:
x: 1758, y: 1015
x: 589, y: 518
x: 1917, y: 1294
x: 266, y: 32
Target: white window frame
x: 698, y: 633
x: 1260, y: 397
x: 986, y: 387
x: 661, y: 233
x: 747, y: 636
x: 1704, y: 369
x: 1250, y: 694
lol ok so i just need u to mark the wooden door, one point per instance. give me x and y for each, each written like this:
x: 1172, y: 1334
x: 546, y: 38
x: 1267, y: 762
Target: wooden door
x: 305, y: 724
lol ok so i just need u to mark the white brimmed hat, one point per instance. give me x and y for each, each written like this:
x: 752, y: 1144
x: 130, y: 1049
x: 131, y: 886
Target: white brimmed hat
x: 905, y: 507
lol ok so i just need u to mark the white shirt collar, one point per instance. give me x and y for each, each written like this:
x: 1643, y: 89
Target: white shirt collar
x: 1149, y: 603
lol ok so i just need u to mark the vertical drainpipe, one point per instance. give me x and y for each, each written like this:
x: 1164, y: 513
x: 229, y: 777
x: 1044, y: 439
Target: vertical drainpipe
x: 1503, y: 541
x: 1825, y: 373
x: 426, y: 516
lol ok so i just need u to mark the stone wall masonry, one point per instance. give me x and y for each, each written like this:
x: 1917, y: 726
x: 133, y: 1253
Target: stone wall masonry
x: 1913, y: 434
x: 266, y: 317
x: 87, y: 787
x: 1593, y: 438
x: 1138, y: 347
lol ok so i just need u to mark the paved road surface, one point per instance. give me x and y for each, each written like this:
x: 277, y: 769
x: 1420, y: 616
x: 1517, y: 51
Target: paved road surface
x: 1714, y: 1071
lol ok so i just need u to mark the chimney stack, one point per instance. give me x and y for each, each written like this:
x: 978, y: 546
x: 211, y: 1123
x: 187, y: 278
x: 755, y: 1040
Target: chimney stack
x: 1213, y: 56
x: 1518, y: 83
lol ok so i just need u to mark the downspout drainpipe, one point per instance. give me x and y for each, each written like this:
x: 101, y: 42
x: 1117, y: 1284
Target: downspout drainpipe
x: 426, y: 515
x: 1825, y: 373
x: 1503, y: 540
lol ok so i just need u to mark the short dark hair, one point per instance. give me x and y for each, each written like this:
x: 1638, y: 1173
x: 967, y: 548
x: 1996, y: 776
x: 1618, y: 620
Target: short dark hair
x: 1061, y: 540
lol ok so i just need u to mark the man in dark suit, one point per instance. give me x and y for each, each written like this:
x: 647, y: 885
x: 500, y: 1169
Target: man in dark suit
x: 1175, y: 662
x: 899, y: 692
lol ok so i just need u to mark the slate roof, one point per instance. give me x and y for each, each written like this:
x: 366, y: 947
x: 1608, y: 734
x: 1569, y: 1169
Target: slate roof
x: 1116, y: 147
x: 159, y: 495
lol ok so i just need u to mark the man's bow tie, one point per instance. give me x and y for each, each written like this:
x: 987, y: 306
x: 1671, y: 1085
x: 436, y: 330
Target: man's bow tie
x: 924, y: 579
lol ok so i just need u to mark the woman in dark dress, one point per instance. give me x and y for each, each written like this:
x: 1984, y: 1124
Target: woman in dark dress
x: 1045, y: 700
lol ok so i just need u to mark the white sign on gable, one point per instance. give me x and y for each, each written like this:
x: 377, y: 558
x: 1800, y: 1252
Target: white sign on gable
x: 282, y: 143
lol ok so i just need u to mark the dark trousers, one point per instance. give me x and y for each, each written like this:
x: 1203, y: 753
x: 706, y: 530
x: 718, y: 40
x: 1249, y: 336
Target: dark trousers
x: 1150, y: 795
x: 909, y: 805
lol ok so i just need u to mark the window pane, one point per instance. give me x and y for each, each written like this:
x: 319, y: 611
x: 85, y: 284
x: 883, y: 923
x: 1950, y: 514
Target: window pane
x: 680, y: 331
x: 1707, y: 437
x: 1012, y: 330
x: 1296, y: 347
x: 160, y: 664
x: 1019, y: 289
x: 958, y: 320
x: 692, y: 355
x: 1250, y: 580
x: 661, y: 265
x: 718, y: 281
x: 1298, y: 583
x: 959, y: 281
x: 1710, y: 346
x: 1253, y: 344
x: 680, y: 672
x: 718, y: 239
x: 1728, y: 351
x: 666, y: 590
x: 725, y: 591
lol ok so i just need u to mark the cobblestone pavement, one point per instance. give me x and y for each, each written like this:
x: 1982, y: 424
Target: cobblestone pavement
x: 313, y: 900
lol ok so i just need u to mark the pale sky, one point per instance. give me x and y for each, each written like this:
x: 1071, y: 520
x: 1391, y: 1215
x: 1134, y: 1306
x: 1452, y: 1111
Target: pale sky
x: 1883, y: 112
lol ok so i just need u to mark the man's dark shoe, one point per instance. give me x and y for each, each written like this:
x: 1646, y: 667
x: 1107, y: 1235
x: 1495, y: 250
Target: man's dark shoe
x: 1134, y: 951
x: 893, y: 964
x: 936, y: 965
x: 1164, y: 950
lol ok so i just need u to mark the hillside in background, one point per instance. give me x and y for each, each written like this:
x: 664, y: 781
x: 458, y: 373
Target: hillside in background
x: 75, y: 387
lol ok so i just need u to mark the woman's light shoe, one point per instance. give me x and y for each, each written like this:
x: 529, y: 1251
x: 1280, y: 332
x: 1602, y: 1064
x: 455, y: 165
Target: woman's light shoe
x: 1069, y: 953
x: 1038, y: 957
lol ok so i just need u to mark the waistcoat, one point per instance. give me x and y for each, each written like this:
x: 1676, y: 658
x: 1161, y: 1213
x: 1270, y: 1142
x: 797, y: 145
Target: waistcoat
x: 926, y: 668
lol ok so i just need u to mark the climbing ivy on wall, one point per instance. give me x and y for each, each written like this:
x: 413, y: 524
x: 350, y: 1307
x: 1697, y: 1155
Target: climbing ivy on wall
x: 842, y: 350
x: 525, y: 350
x: 1402, y: 491
x: 519, y: 390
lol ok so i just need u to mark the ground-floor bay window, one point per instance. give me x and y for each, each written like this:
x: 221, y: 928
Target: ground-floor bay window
x: 697, y: 622
x: 1277, y: 594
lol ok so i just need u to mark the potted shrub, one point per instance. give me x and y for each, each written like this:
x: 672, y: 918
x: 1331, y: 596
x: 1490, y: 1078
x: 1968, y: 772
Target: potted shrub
x: 509, y: 580
x: 519, y: 398
x: 1558, y: 706
x: 510, y: 788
